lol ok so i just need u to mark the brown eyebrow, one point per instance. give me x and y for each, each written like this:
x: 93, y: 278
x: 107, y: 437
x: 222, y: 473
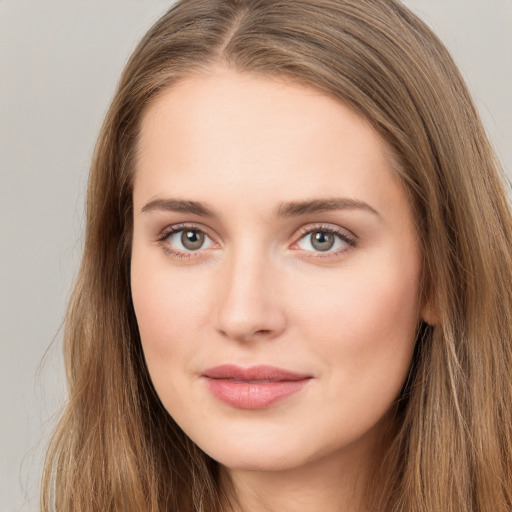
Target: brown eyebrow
x: 297, y: 208
x: 178, y: 205
x: 288, y: 209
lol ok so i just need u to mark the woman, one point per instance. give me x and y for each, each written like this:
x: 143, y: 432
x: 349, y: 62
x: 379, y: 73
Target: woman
x: 295, y: 290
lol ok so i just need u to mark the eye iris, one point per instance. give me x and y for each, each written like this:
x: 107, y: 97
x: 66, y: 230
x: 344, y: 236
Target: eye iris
x: 322, y: 241
x: 192, y: 240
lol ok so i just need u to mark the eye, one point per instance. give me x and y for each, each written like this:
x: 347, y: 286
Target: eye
x: 325, y: 240
x: 183, y: 239
x: 191, y: 240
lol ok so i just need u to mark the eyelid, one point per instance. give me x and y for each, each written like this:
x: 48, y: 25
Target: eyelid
x: 344, y: 234
x: 348, y: 237
x: 176, y: 228
x: 182, y: 226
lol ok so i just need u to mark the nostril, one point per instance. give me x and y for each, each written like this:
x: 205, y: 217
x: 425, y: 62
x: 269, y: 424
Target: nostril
x: 246, y: 334
x: 262, y: 332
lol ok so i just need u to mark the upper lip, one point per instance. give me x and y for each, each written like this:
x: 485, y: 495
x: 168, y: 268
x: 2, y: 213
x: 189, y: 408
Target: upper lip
x: 253, y: 373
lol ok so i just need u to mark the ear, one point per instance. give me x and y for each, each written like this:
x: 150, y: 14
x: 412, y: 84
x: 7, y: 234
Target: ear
x: 429, y: 309
x: 430, y: 312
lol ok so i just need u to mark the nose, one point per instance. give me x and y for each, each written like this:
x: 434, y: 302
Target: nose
x: 248, y: 305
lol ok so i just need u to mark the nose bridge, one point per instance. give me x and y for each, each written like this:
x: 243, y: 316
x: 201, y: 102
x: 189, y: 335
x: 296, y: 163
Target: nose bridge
x: 248, y: 305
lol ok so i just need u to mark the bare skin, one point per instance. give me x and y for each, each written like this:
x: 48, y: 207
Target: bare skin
x: 270, y: 229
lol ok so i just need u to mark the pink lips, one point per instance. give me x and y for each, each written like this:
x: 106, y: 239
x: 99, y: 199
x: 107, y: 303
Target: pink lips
x: 253, y: 388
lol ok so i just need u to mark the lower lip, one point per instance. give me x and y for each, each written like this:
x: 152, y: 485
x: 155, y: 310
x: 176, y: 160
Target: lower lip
x: 253, y: 395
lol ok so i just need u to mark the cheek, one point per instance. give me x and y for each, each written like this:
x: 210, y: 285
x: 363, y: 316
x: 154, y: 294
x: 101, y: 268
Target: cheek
x: 378, y: 292
x: 365, y: 322
x: 167, y: 308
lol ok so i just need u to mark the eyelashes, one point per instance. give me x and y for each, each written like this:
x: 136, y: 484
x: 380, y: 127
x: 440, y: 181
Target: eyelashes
x: 186, y: 239
x: 324, y: 240
x: 191, y: 241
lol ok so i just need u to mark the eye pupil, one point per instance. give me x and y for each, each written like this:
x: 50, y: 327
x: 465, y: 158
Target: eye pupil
x: 192, y: 240
x: 322, y: 241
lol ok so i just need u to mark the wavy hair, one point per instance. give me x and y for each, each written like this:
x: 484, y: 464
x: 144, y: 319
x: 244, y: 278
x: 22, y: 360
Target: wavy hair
x: 117, y: 449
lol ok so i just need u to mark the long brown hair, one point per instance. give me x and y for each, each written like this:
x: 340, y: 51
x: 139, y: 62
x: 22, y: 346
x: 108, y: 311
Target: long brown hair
x: 117, y: 449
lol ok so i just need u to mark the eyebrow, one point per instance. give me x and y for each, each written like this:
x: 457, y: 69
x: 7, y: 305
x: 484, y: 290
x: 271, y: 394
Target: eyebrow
x: 285, y: 210
x: 178, y: 205
x: 297, y: 208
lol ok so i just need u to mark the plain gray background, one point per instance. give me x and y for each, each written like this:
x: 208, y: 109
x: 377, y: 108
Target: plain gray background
x: 59, y: 63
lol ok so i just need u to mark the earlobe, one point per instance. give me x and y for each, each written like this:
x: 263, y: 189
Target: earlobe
x: 429, y: 309
x: 430, y: 313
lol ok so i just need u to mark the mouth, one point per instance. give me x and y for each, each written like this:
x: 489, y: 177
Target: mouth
x: 256, y: 387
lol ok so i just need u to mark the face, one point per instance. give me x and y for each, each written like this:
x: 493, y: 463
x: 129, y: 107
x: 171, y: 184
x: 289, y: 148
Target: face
x: 275, y: 270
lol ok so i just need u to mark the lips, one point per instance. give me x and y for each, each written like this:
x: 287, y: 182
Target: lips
x: 256, y: 387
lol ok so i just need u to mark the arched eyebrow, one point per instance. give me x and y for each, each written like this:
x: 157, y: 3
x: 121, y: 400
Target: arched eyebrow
x: 178, y: 205
x: 284, y: 210
x: 298, y: 208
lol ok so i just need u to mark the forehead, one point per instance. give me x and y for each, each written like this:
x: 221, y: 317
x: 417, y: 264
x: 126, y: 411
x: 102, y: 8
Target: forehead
x: 234, y: 135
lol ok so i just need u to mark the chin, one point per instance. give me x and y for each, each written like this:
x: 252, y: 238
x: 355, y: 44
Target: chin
x: 260, y: 449
x: 268, y: 460
x: 253, y: 447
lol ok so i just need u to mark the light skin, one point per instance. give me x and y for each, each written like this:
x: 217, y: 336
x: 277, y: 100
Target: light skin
x: 301, y: 254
